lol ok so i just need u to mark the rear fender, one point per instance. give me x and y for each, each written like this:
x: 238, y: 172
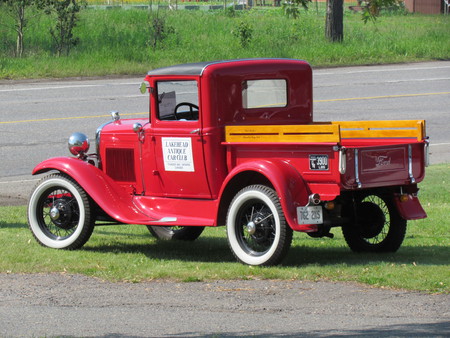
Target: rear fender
x: 287, y: 182
x: 100, y: 187
x: 409, y: 209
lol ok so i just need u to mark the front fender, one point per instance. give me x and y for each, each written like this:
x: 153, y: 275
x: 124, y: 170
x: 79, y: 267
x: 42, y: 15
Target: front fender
x: 287, y: 182
x: 100, y: 187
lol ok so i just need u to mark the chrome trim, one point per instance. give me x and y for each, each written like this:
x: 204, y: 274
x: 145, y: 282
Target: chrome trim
x: 137, y: 127
x: 342, y: 160
x: 195, y: 131
x: 115, y: 115
x: 427, y: 153
x: 98, y: 133
x: 167, y: 219
x: 78, y: 144
x: 358, y: 182
x: 410, y: 164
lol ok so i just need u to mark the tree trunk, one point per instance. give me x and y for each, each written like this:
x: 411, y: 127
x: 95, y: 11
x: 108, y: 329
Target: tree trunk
x: 334, y: 26
x: 20, y: 26
x: 19, y: 44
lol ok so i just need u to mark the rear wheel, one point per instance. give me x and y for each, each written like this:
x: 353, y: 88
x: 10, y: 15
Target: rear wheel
x: 60, y: 213
x: 176, y: 233
x: 257, y: 231
x: 377, y: 225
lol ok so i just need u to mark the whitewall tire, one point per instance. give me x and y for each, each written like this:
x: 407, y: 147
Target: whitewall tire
x: 60, y: 213
x: 258, y: 233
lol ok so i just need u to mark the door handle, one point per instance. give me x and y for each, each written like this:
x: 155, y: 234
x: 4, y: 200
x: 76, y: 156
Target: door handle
x: 195, y: 131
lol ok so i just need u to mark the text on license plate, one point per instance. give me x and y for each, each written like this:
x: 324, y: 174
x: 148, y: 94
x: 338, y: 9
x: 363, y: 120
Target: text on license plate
x: 310, y: 215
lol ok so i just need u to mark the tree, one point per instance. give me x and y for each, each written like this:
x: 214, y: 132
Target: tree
x: 244, y: 33
x: 334, y: 24
x: 17, y: 10
x: 66, y: 12
x: 291, y: 7
x: 159, y: 30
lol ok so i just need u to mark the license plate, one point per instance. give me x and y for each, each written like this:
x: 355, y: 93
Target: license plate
x: 310, y: 215
x: 318, y: 162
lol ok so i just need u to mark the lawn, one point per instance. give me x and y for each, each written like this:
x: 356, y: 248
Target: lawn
x: 121, y: 41
x: 130, y: 253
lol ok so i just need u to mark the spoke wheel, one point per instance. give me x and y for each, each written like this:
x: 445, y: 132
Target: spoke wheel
x: 176, y: 233
x: 256, y: 227
x: 59, y: 213
x: 377, y: 225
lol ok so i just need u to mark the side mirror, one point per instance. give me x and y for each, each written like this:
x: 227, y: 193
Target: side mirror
x: 143, y: 87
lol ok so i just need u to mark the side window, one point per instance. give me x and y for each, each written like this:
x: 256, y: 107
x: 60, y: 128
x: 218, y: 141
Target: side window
x: 177, y: 100
x: 264, y: 93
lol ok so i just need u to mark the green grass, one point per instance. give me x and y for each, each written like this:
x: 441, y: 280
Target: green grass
x: 117, y: 41
x: 129, y: 253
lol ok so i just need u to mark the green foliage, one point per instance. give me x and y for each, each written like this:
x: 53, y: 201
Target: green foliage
x: 230, y: 11
x: 372, y: 9
x: 244, y: 32
x: 117, y: 41
x: 18, y: 11
x: 159, y: 30
x: 66, y: 13
x: 129, y: 253
x: 292, y: 8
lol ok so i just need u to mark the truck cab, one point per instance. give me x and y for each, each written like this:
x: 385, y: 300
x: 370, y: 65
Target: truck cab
x: 233, y: 143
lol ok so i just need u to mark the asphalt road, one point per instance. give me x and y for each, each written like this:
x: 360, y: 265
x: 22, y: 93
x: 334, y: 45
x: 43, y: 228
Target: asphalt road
x: 68, y: 305
x: 37, y: 117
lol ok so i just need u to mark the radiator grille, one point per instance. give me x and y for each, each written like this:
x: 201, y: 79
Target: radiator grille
x: 120, y: 164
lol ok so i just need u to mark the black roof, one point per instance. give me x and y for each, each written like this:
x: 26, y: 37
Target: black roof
x: 183, y: 69
x: 197, y: 68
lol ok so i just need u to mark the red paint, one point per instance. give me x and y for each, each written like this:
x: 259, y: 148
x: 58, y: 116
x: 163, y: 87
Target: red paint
x: 183, y: 173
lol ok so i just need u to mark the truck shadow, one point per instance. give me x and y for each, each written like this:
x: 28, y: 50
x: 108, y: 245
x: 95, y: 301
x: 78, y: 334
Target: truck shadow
x: 213, y: 249
x: 436, y: 329
x: 15, y: 225
x: 425, y: 255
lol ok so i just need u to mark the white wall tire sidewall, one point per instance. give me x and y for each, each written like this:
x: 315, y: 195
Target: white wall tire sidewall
x: 32, y: 210
x: 231, y: 229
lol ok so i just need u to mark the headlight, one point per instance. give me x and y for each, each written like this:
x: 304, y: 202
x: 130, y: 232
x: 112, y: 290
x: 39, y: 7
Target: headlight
x: 78, y: 144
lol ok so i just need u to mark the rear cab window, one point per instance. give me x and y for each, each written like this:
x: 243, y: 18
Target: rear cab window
x: 270, y: 93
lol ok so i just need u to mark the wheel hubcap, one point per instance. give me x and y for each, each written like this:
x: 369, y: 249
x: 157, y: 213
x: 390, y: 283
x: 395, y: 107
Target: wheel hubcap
x: 256, y: 228
x: 54, y: 214
x: 61, y: 214
x: 251, y: 228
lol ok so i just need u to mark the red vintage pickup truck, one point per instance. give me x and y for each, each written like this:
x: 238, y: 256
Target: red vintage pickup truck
x: 234, y: 143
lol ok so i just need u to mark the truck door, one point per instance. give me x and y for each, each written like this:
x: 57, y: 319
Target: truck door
x: 177, y: 138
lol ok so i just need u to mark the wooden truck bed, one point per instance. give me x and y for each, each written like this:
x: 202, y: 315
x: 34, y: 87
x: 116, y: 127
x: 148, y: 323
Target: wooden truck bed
x: 350, y: 154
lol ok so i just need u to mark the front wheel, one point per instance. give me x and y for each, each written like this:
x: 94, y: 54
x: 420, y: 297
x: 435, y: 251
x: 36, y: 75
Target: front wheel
x: 60, y: 213
x: 257, y: 230
x: 175, y: 233
x: 377, y: 225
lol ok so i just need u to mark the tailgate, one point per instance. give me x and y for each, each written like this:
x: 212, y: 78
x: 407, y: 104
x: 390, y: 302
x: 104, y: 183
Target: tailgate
x: 383, y: 153
x: 377, y: 166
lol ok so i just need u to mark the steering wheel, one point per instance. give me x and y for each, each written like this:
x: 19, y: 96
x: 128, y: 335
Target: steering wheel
x: 193, y: 108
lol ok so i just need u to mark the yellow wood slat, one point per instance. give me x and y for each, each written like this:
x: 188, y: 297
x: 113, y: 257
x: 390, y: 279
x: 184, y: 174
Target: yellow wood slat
x: 382, y: 129
x: 326, y: 133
